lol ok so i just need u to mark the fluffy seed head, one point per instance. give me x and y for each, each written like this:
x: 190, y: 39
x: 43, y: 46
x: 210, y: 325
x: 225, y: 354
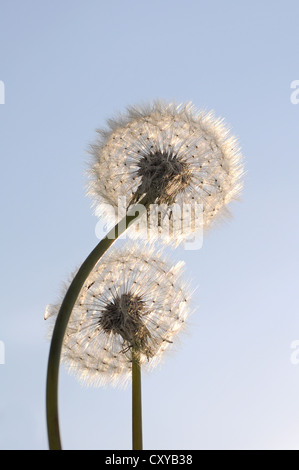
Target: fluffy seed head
x: 133, y: 300
x: 172, y: 153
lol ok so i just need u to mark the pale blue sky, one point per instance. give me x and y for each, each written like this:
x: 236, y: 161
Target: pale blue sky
x: 67, y: 66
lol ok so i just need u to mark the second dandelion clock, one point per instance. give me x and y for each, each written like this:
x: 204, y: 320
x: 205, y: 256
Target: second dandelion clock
x: 131, y: 307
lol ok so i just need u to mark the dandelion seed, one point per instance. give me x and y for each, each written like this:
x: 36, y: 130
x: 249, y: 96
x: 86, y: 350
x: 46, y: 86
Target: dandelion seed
x: 134, y: 300
x: 174, y: 155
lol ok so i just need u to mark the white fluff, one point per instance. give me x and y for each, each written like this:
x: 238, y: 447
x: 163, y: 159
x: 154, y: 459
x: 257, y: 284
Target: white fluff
x: 98, y: 357
x: 201, y: 143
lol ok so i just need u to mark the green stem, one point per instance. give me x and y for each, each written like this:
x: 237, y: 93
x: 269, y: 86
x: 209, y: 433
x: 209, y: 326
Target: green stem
x: 64, y: 315
x: 136, y: 403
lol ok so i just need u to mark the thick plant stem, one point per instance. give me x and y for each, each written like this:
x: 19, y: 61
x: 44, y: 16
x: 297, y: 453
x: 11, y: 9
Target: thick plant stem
x: 64, y: 315
x: 136, y: 403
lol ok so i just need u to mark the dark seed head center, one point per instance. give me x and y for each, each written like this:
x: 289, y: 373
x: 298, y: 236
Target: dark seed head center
x: 163, y: 176
x: 123, y: 316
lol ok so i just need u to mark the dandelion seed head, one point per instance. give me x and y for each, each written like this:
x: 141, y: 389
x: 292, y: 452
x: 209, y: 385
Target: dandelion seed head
x: 134, y: 299
x: 172, y: 153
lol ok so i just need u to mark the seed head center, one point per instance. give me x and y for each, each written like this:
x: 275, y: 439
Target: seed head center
x: 163, y: 175
x: 123, y: 316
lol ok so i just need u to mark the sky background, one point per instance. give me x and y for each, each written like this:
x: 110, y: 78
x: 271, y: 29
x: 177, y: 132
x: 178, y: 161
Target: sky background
x: 69, y: 65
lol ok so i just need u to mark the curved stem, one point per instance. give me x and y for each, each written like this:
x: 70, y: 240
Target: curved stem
x: 64, y: 315
x: 136, y: 403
